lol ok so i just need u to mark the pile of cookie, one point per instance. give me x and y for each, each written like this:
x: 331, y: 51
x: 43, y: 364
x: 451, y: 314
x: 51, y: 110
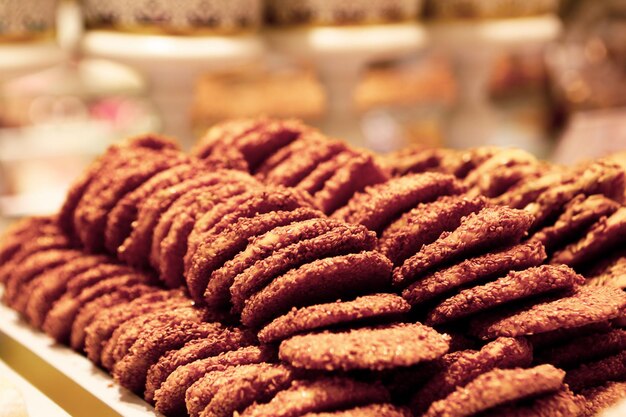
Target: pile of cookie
x: 276, y: 272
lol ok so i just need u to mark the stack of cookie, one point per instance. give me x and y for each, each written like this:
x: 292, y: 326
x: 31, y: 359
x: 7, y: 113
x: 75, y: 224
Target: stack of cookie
x: 290, y: 154
x: 191, y: 276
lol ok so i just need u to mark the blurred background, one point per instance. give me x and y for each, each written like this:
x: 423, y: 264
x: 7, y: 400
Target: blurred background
x: 547, y: 76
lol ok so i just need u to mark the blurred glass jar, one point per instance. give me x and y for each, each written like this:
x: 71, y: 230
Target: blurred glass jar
x: 588, y: 67
x: 181, y: 17
x: 27, y: 20
x: 52, y: 123
x: 347, y: 12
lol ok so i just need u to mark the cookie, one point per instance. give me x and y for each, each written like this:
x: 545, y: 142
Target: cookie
x: 498, y: 387
x: 218, y: 249
x: 51, y: 285
x: 602, y: 397
x: 60, y: 318
x: 424, y: 224
x: 315, y: 180
x: 460, y: 368
x: 562, y: 403
x: 588, y: 305
x: 599, y: 177
x: 289, y: 166
x: 592, y: 374
x: 325, y: 315
x: 258, y: 249
x: 279, y: 198
x: 183, y: 220
x: 229, y: 339
x: 32, y: 246
x: 104, y: 323
x: 477, y: 269
x: 380, y: 204
x: 15, y: 289
x: 84, y: 316
x: 105, y: 191
x: 352, y: 177
x: 131, y: 370
x: 125, y: 335
x: 374, y: 348
x: 323, y: 280
x: 20, y: 232
x: 514, y: 286
x: 323, y: 394
x: 487, y: 229
x: 342, y: 239
x: 605, y: 235
x: 374, y: 410
x: 211, y: 396
x: 170, y: 397
x: 584, y: 349
x: 136, y: 248
x: 578, y: 216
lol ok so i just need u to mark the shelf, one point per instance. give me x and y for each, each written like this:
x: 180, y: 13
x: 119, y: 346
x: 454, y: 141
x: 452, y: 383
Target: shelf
x: 66, y: 377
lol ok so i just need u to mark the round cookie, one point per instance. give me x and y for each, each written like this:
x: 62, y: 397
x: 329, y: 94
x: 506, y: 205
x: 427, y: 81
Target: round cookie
x: 588, y: 305
x: 481, y: 268
x: 183, y: 219
x: 259, y: 248
x: 211, y: 396
x: 316, y: 179
x: 22, y: 231
x: 584, y: 349
x: 424, y: 224
x: 51, y: 285
x: 359, y: 172
x: 374, y: 410
x: 124, y: 336
x: 526, y: 192
x: 562, y: 403
x: 460, y: 368
x: 323, y: 394
x: 86, y: 313
x: 608, y: 233
x: 170, y: 397
x: 380, y: 204
x: 105, y: 191
x: 30, y: 247
x: 497, y: 387
x: 131, y: 370
x: 136, y: 248
x: 225, y: 132
x: 490, y: 227
x: 375, y: 348
x: 340, y: 312
x: 100, y: 330
x: 229, y: 339
x: 323, y: 280
x: 218, y: 249
x: 278, y: 198
x: 259, y: 144
x: 60, y: 318
x: 514, y: 286
x: 16, y: 289
x: 342, y: 239
x: 124, y: 213
x: 592, y: 374
x: 295, y: 167
x: 602, y: 397
x: 599, y: 177
x: 579, y: 215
